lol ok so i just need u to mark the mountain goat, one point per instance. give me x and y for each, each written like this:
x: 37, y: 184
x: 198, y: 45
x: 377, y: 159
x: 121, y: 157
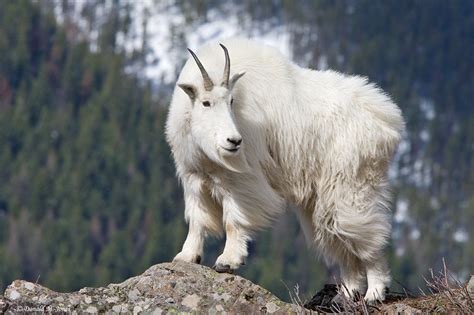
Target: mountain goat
x: 267, y: 134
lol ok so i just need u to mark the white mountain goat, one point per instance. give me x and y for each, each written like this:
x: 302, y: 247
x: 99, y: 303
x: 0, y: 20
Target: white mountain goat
x: 246, y: 147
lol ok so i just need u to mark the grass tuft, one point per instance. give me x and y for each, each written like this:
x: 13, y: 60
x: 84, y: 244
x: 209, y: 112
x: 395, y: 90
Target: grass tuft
x: 446, y: 294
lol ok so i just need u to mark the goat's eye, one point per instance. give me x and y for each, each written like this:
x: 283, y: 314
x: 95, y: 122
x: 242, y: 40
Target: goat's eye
x: 231, y: 101
x: 206, y: 104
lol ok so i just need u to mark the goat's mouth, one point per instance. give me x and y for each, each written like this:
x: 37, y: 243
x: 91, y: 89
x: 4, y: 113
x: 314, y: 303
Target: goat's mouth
x: 232, y: 150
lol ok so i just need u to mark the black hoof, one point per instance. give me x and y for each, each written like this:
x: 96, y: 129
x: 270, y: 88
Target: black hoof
x: 323, y: 300
x: 198, y: 259
x: 223, y: 268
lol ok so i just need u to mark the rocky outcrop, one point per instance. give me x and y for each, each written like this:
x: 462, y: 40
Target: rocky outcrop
x: 184, y: 287
x: 163, y: 288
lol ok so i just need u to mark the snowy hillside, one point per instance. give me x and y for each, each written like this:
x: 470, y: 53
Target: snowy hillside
x: 216, y: 25
x: 165, y: 32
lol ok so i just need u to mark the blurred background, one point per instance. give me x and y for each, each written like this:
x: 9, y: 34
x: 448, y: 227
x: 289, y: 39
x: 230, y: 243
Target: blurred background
x: 88, y: 193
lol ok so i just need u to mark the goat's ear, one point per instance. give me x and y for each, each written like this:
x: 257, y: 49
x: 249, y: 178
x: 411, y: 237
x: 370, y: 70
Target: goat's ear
x: 189, y: 89
x: 234, y: 79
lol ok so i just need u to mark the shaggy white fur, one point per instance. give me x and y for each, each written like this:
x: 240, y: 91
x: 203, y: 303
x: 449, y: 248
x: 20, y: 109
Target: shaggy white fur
x: 318, y: 140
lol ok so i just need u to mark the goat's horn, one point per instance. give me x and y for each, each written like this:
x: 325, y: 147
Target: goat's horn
x: 208, y: 84
x: 225, y: 79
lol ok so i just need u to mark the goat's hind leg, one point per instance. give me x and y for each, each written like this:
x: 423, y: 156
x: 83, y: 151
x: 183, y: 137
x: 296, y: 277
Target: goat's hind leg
x: 353, y: 233
x: 353, y: 276
x: 378, y: 279
x: 364, y: 241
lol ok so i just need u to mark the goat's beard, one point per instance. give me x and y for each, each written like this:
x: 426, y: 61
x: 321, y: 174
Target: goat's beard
x: 236, y: 162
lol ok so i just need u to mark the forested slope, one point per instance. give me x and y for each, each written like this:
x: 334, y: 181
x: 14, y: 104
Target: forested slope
x: 87, y: 191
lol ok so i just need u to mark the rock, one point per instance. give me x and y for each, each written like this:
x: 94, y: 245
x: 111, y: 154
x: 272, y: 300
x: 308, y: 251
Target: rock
x: 323, y: 300
x: 91, y: 309
x: 272, y: 307
x: 13, y: 295
x: 3, y: 304
x: 133, y: 295
x: 191, y: 288
x: 191, y: 301
x: 137, y: 309
x: 117, y: 308
x: 163, y: 288
x: 470, y: 285
x: 399, y: 308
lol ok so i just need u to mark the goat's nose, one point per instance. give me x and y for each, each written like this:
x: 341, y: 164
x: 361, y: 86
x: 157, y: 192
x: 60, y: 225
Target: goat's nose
x: 235, y: 140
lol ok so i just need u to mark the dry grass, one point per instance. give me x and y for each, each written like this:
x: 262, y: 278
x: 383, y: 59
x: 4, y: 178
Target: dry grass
x: 296, y: 299
x: 446, y: 295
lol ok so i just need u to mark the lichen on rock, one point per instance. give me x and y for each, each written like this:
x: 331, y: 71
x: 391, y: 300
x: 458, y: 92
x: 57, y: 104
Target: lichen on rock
x: 185, y: 287
x: 166, y: 287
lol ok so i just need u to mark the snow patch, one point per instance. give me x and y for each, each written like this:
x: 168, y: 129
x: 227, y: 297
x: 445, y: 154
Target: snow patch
x: 169, y: 34
x: 401, y: 212
x: 427, y: 108
x: 434, y: 203
x: 461, y: 235
x: 425, y: 135
x: 163, y: 31
x: 400, y: 251
x: 415, y: 234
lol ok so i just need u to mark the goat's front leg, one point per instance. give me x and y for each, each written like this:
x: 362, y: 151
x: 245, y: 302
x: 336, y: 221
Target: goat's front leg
x: 204, y: 217
x: 193, y: 246
x: 235, y: 250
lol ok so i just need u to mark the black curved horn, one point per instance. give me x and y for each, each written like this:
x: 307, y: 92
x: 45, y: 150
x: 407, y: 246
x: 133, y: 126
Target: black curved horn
x: 225, y: 78
x: 208, y: 84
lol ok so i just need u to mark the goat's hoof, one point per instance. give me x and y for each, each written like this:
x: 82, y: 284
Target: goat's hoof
x: 184, y: 257
x: 223, y: 268
x: 375, y: 296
